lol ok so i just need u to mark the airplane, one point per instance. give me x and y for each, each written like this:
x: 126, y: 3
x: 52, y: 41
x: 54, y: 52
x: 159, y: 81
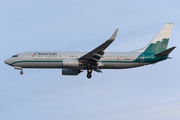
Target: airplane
x: 73, y: 63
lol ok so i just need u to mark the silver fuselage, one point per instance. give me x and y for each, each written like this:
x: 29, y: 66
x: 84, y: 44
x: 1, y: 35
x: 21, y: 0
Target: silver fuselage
x: 110, y: 60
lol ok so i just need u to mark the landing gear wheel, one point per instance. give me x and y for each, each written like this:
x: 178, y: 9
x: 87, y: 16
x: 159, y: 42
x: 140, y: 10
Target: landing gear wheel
x: 21, y: 72
x: 89, y: 71
x: 89, y: 75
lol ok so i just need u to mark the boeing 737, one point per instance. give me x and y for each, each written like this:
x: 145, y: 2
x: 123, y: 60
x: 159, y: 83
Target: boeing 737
x: 73, y: 63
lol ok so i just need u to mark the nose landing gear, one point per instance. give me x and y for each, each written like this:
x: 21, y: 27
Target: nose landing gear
x: 19, y: 68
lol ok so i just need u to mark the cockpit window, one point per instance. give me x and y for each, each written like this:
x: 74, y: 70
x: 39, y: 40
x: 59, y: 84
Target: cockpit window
x: 15, y: 56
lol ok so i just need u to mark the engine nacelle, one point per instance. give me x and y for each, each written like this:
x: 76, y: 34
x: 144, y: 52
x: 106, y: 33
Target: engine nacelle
x: 70, y: 63
x: 70, y: 72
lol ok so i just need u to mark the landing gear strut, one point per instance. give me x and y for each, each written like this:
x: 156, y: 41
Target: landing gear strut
x: 89, y: 71
x: 21, y: 72
x: 19, y: 68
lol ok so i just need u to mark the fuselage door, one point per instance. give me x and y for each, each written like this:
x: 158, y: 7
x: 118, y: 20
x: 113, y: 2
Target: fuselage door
x: 142, y: 57
x: 26, y: 57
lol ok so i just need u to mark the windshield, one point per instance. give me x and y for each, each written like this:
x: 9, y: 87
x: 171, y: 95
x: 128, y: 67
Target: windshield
x: 15, y: 56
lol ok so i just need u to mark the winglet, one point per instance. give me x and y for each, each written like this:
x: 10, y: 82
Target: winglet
x: 114, y: 35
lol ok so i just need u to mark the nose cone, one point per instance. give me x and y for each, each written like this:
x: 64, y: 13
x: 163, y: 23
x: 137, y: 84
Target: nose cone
x: 7, y: 61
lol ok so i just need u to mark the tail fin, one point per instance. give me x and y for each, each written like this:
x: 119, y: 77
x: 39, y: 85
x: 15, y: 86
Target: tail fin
x: 160, y: 41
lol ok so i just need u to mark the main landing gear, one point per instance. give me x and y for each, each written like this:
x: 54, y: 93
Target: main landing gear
x: 89, y: 71
x: 21, y: 72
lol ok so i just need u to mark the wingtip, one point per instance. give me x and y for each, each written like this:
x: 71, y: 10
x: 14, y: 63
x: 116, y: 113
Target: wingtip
x: 173, y: 47
x: 114, y: 34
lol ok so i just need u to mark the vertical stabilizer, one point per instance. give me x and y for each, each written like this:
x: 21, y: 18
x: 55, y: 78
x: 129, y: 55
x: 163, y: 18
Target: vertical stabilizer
x: 160, y: 41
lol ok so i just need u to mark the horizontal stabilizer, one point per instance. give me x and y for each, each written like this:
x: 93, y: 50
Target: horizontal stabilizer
x: 165, y: 52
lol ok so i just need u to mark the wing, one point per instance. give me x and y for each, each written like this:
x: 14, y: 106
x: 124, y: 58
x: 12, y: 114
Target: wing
x: 96, y: 54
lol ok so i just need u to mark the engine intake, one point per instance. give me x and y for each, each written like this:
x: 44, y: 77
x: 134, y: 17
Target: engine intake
x: 70, y: 63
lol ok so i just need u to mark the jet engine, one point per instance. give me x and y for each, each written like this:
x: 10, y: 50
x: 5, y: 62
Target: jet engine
x: 70, y: 63
x: 70, y: 72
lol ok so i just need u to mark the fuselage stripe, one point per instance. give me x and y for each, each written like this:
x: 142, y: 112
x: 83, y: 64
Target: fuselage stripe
x: 33, y: 61
x: 61, y: 61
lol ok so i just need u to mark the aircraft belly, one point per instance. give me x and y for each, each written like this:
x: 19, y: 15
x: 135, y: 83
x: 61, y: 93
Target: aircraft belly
x: 117, y: 65
x: 39, y: 64
x: 122, y: 65
x: 46, y: 65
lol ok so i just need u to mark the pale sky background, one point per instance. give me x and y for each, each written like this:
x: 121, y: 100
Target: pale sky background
x: 145, y: 93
